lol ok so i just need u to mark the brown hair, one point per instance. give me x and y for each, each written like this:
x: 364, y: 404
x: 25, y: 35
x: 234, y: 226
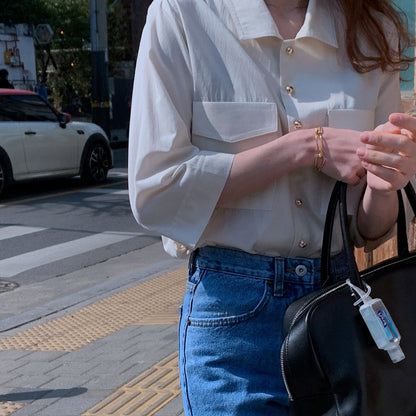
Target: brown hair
x: 374, y: 22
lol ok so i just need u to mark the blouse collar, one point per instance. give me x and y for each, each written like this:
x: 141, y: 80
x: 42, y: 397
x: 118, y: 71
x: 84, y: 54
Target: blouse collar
x: 253, y: 20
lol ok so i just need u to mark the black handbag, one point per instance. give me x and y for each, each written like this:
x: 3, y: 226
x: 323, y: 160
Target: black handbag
x: 330, y: 363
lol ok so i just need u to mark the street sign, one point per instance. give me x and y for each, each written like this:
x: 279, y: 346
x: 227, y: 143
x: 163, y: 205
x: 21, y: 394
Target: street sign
x: 43, y: 34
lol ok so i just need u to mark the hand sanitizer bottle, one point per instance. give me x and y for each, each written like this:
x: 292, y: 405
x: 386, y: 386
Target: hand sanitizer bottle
x: 379, y: 323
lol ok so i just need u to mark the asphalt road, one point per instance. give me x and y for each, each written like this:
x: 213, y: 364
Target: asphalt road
x: 94, y: 299
x: 53, y: 228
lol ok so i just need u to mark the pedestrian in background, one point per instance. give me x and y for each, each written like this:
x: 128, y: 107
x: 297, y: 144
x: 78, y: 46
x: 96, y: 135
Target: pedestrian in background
x: 4, y: 82
x: 244, y: 115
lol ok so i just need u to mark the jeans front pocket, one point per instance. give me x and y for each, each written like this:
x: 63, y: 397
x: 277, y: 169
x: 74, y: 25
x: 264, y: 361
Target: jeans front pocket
x: 222, y: 298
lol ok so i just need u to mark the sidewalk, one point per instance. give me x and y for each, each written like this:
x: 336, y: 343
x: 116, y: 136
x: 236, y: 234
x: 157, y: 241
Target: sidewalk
x: 100, y: 341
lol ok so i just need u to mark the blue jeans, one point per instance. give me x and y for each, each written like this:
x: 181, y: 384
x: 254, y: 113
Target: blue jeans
x: 231, y: 331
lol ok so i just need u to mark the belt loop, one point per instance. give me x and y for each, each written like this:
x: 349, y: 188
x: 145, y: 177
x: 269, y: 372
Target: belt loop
x: 279, y: 276
x: 191, y: 263
x: 316, y: 273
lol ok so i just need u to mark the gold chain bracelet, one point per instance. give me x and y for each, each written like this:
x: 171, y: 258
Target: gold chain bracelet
x: 319, y: 160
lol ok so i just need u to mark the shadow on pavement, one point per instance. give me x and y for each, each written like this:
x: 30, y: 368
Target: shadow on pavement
x: 39, y: 394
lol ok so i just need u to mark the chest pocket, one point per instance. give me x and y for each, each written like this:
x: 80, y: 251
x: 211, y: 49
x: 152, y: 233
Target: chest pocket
x: 231, y: 127
x: 352, y: 119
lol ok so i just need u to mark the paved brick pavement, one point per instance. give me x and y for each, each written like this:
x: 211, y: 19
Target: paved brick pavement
x: 55, y: 361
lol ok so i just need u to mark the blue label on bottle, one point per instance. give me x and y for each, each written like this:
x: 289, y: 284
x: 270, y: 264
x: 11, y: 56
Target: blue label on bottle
x: 387, y: 325
x: 383, y: 319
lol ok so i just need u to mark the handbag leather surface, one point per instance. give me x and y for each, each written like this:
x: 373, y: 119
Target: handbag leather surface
x: 330, y: 363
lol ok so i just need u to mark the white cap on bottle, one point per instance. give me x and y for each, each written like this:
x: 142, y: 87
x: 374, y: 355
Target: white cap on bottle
x: 396, y: 354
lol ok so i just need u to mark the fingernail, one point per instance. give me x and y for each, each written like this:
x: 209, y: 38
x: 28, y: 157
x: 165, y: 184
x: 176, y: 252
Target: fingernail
x: 395, y: 117
x: 360, y: 152
x: 365, y: 137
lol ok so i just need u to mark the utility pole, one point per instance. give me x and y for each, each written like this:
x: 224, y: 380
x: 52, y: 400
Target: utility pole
x: 99, y: 54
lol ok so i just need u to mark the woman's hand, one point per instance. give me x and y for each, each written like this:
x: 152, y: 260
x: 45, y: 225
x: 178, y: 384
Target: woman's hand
x: 340, y: 150
x: 258, y: 167
x: 389, y: 154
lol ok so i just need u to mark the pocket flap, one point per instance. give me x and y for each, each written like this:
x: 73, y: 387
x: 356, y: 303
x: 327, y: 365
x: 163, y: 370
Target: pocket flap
x: 352, y: 119
x: 233, y: 121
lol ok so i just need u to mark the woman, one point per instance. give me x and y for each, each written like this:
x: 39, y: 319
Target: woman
x: 244, y: 114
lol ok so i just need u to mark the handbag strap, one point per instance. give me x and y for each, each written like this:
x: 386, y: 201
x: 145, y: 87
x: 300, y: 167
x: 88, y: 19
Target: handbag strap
x: 402, y: 243
x: 327, y: 237
x: 339, y: 200
x: 411, y: 196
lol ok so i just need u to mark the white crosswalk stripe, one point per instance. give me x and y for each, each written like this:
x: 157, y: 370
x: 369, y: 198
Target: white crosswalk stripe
x: 118, y: 174
x: 17, y: 231
x: 12, y: 266
x: 105, y: 191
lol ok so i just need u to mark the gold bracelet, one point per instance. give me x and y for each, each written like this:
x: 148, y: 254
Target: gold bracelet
x: 319, y: 160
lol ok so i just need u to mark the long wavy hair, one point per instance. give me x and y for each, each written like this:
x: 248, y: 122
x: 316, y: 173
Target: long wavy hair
x: 374, y: 22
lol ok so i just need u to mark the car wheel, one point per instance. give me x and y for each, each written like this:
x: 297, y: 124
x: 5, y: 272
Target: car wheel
x: 4, y: 177
x: 96, y: 164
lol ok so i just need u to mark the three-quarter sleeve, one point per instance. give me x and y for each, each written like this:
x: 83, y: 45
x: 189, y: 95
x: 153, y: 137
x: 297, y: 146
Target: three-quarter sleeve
x: 389, y: 101
x: 173, y: 185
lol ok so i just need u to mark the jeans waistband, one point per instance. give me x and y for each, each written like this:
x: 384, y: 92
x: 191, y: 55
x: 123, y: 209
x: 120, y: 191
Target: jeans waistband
x: 295, y: 269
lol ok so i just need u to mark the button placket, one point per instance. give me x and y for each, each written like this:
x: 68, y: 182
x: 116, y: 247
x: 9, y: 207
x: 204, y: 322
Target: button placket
x: 288, y: 66
x: 287, y: 61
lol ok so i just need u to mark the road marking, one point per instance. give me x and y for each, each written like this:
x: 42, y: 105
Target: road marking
x: 17, y: 231
x: 48, y: 196
x: 117, y: 174
x: 18, y: 264
x: 106, y: 191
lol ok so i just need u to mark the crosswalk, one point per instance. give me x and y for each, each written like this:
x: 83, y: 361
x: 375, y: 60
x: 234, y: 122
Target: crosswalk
x: 105, y: 191
x: 117, y: 174
x: 38, y: 257
x: 18, y: 264
x: 17, y: 231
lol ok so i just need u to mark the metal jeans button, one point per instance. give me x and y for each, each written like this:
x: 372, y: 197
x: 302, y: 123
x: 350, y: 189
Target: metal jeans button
x: 301, y: 270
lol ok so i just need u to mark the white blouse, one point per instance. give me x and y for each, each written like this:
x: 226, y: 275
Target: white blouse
x: 213, y: 78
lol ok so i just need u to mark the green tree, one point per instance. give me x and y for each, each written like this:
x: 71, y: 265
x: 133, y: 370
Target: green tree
x: 69, y: 19
x: 68, y: 57
x: 119, y: 33
x: 34, y: 12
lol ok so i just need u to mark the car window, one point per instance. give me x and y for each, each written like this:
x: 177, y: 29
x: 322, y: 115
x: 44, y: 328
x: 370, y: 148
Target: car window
x: 25, y: 108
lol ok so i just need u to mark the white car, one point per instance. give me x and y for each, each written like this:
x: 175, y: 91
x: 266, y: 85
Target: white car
x: 37, y: 141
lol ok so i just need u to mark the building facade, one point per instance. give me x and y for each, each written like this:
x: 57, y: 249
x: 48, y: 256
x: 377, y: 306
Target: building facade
x: 17, y: 55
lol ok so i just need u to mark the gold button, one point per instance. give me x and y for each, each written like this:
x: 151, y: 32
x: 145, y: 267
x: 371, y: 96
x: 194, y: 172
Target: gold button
x: 298, y: 124
x: 302, y: 244
x: 289, y: 50
x: 289, y: 89
x: 298, y: 202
